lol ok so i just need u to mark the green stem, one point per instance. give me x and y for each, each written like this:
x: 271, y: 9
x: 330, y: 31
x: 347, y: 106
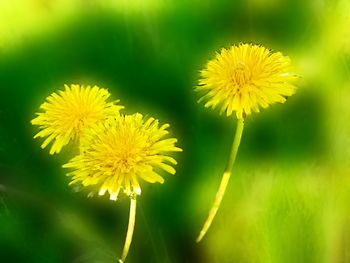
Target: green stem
x: 131, y: 226
x: 224, y: 181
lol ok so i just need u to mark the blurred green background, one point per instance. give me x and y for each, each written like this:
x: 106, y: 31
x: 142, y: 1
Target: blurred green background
x: 289, y: 197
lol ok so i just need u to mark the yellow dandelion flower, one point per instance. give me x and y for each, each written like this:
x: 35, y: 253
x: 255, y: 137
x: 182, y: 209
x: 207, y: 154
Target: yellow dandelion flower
x: 242, y: 79
x: 120, y: 152
x: 69, y: 114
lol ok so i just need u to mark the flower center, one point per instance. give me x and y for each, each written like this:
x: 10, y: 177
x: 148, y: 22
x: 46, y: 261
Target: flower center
x: 241, y: 74
x: 81, y: 120
x: 126, y: 163
x: 128, y: 153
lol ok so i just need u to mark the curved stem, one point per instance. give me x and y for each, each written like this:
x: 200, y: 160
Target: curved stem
x: 224, y: 181
x: 130, y: 232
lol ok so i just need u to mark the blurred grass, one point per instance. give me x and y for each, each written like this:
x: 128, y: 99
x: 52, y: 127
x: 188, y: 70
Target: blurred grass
x: 288, y: 200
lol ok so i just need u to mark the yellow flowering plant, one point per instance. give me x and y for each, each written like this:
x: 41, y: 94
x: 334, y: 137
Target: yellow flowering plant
x: 241, y: 80
x: 115, y: 151
x: 120, y: 152
x: 68, y: 114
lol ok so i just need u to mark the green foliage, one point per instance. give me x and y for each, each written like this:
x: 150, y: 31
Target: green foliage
x: 288, y: 201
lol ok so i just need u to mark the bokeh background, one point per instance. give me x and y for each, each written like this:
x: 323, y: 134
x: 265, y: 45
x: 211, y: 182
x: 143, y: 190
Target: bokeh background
x: 289, y: 197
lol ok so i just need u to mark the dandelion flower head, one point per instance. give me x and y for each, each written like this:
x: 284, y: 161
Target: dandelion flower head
x: 122, y: 151
x: 244, y: 78
x: 68, y: 114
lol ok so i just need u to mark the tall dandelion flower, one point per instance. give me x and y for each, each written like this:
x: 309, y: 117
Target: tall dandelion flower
x: 118, y: 154
x: 241, y: 80
x: 68, y: 114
